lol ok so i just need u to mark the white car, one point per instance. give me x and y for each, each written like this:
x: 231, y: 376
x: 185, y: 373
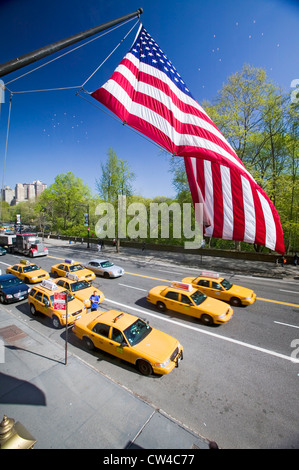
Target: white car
x: 105, y: 268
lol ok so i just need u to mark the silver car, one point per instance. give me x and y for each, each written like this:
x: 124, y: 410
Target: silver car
x: 104, y: 268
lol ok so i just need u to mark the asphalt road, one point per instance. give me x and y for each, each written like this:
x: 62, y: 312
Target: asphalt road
x: 238, y: 382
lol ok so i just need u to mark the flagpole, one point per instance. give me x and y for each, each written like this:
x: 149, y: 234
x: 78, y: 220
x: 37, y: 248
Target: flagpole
x: 26, y: 59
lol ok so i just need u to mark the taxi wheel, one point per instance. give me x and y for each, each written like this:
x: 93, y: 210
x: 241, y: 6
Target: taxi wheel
x: 2, y: 299
x: 235, y: 302
x: 161, y: 306
x: 55, y: 322
x: 27, y: 280
x: 206, y: 319
x: 144, y: 367
x: 33, y: 310
x: 88, y: 343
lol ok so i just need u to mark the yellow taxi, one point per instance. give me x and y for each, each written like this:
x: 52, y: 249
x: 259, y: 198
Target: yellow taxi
x: 71, y: 266
x: 131, y: 339
x: 81, y: 289
x: 183, y: 298
x: 215, y: 286
x: 49, y: 299
x: 28, y: 272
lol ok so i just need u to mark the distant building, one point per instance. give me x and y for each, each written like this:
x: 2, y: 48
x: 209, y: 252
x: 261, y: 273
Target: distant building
x: 23, y: 192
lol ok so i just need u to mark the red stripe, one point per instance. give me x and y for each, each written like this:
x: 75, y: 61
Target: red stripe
x: 218, y: 201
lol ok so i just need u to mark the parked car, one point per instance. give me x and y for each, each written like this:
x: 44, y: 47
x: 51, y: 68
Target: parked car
x: 81, y: 289
x: 12, y: 289
x: 130, y: 339
x: 2, y: 251
x: 105, y: 268
x: 42, y: 299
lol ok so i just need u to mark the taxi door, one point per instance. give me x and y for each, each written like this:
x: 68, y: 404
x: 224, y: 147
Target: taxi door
x: 42, y: 303
x: 185, y: 305
x: 100, y: 336
x: 171, y: 300
x: 116, y: 346
x: 216, y: 290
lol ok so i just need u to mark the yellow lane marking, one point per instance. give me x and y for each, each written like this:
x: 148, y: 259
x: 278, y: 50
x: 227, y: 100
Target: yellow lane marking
x: 167, y: 280
x: 278, y: 302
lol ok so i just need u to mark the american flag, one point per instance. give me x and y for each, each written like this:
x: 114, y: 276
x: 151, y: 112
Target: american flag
x: 147, y: 93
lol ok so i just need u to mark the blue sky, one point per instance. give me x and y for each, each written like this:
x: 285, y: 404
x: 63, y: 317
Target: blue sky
x: 56, y: 131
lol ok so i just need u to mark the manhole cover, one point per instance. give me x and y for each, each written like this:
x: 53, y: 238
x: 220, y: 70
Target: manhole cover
x: 12, y: 333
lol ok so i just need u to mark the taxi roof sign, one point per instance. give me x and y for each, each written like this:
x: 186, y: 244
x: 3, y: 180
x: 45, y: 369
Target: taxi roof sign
x: 24, y: 261
x: 182, y: 285
x: 72, y: 276
x: 209, y: 274
x: 49, y: 284
x: 118, y: 317
x: 69, y: 261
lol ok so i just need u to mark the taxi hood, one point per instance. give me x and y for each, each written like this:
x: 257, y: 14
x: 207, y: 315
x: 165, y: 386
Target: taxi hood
x: 157, y: 345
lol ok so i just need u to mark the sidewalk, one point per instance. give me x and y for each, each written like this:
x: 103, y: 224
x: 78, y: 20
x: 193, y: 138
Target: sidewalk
x: 74, y: 406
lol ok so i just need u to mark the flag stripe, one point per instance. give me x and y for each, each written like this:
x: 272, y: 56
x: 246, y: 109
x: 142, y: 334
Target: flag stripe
x: 147, y: 93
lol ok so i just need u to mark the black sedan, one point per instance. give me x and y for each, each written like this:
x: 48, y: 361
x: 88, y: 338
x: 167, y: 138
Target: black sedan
x: 12, y: 289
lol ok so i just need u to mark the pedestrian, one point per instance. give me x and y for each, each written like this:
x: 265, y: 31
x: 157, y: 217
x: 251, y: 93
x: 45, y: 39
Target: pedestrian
x: 94, y: 301
x: 99, y: 245
x: 295, y: 259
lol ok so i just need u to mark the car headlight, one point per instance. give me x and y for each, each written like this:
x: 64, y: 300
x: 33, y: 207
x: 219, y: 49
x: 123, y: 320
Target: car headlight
x: 222, y: 316
x: 9, y: 296
x: 35, y: 277
x: 162, y: 364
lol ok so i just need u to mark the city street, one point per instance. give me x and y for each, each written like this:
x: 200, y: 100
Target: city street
x: 237, y: 383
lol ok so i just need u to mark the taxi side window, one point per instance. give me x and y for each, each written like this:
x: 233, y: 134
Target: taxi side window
x: 33, y: 291
x: 20, y: 269
x: 61, y: 266
x: 101, y: 329
x: 172, y: 295
x: 46, y: 301
x: 38, y: 296
x: 117, y: 335
x: 203, y: 283
x: 60, y: 283
x: 15, y: 268
x: 186, y: 300
x: 215, y: 285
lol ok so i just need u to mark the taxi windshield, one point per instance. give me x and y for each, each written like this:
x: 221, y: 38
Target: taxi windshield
x: 198, y: 297
x: 76, y: 267
x: 31, y: 267
x: 226, y: 284
x: 10, y: 282
x: 137, y: 332
x: 80, y: 285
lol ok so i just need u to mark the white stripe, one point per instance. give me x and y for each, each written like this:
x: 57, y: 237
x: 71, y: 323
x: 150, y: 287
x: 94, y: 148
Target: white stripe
x: 228, y: 214
x: 208, y: 333
x: 207, y: 217
x: 249, y: 212
x: 209, y: 195
x: 270, y: 241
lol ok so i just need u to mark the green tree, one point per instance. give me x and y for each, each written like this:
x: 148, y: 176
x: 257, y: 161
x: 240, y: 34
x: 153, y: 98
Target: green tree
x: 64, y: 202
x: 116, y: 178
